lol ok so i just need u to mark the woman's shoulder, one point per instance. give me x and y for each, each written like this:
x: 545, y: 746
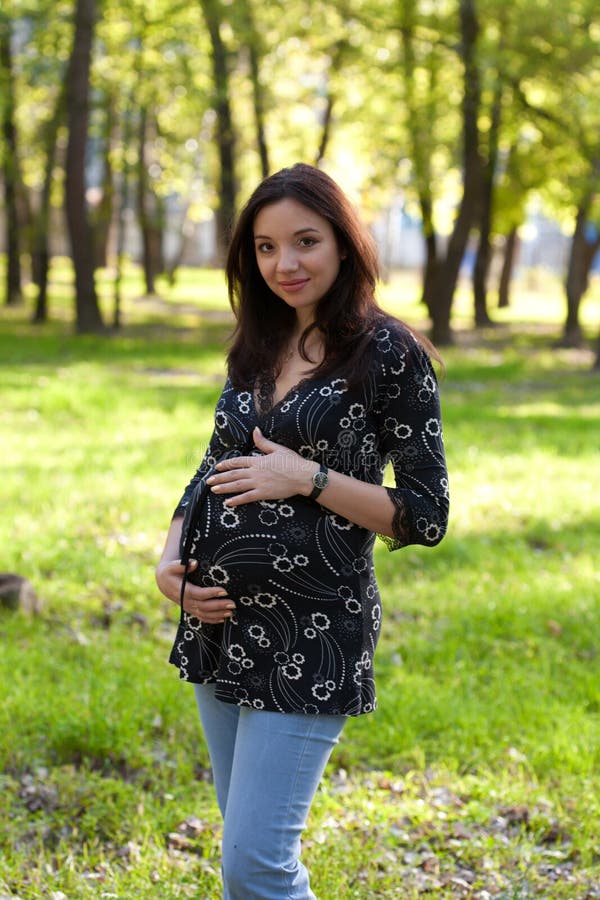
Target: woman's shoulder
x: 393, y: 338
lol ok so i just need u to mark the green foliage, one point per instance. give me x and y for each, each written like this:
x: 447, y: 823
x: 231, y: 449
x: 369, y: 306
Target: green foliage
x: 482, y: 761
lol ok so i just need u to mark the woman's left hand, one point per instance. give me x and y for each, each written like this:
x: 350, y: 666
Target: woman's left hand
x: 277, y: 474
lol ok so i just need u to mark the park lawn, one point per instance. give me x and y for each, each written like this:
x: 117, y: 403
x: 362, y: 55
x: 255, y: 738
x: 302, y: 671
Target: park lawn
x: 479, y: 774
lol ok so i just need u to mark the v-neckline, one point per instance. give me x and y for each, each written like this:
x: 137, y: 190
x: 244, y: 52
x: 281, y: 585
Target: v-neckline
x: 256, y: 394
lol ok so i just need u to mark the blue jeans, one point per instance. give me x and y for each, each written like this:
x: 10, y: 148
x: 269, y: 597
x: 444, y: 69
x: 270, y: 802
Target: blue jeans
x: 266, y: 769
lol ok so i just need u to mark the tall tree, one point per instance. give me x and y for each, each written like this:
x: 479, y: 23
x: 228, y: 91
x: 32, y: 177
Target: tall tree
x: 225, y: 135
x: 40, y: 249
x: 88, y: 316
x: 448, y: 267
x: 10, y: 164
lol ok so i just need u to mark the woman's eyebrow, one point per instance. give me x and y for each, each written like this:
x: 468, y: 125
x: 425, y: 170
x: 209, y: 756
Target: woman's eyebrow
x: 263, y: 237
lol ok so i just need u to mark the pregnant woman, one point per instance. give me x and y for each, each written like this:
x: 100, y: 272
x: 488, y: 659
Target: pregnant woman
x: 280, y: 610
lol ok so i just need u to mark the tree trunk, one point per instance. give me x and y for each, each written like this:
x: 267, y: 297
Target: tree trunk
x: 150, y: 213
x: 103, y: 212
x: 259, y: 112
x: 431, y: 253
x: 254, y: 44
x: 508, y: 261
x: 227, y: 187
x: 325, y: 129
x: 581, y: 256
x: 419, y: 135
x: 40, y: 253
x: 88, y: 317
x: 10, y: 167
x: 484, y: 246
x: 449, y: 268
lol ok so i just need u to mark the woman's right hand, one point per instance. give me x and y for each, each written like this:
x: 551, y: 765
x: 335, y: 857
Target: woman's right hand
x: 209, y: 604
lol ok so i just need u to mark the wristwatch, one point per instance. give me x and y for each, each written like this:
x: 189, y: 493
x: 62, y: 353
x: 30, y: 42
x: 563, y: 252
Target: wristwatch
x: 320, y: 481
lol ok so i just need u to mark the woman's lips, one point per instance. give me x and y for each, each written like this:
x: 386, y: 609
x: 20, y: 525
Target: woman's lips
x: 292, y: 286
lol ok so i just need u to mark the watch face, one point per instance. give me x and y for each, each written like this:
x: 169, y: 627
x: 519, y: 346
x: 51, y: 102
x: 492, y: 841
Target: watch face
x: 320, y: 480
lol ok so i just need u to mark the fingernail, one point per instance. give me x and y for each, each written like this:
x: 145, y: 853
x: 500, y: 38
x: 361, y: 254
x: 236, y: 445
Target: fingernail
x: 210, y: 480
x: 230, y: 606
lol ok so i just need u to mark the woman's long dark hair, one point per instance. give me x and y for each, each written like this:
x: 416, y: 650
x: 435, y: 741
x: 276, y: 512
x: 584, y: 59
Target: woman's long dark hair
x: 346, y: 315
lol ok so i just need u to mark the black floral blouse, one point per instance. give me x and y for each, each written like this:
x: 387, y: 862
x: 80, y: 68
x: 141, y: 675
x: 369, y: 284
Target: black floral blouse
x: 308, y: 610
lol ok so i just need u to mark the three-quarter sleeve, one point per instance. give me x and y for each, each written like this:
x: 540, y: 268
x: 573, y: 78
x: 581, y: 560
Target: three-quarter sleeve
x: 410, y: 437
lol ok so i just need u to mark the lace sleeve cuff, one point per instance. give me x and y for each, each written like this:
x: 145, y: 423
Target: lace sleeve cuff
x: 400, y: 523
x: 422, y: 521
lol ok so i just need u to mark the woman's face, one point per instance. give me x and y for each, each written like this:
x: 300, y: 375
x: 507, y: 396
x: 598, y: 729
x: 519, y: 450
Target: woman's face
x: 297, y: 254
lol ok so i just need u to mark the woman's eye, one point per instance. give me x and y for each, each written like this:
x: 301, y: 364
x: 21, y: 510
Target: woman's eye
x: 307, y: 242
x: 264, y: 247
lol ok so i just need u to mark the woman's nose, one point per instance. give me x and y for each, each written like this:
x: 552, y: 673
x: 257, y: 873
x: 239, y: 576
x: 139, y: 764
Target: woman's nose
x: 288, y: 261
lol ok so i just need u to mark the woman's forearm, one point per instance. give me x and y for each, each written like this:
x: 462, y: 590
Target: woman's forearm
x: 171, y: 548
x: 367, y: 505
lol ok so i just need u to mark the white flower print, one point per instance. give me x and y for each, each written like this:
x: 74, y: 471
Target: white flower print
x: 320, y: 692
x: 376, y: 616
x: 286, y: 510
x: 244, y: 398
x: 356, y: 411
x: 433, y: 427
x: 258, y: 704
x: 256, y: 632
x: 310, y: 633
x: 230, y: 518
x: 277, y: 550
x: 340, y: 524
x: 301, y: 560
x: 325, y: 391
x: 236, y: 651
x: 292, y: 671
x: 353, y: 606
x: 266, y: 600
x: 345, y: 422
x: 307, y: 451
x: 320, y: 621
x: 283, y: 564
x: 268, y: 517
x: 341, y: 385
x: 218, y: 575
x: 432, y: 533
x: 403, y: 431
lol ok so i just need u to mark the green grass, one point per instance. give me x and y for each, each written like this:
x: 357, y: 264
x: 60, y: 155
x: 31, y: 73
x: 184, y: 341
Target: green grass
x: 479, y: 771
